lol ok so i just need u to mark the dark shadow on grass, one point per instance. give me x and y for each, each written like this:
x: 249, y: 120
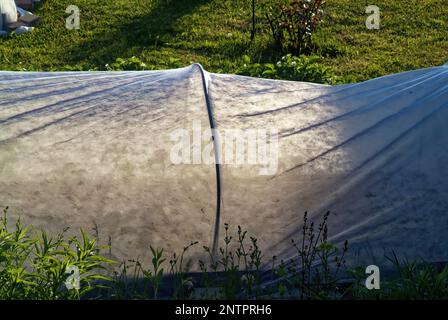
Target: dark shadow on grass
x: 150, y: 30
x: 153, y: 31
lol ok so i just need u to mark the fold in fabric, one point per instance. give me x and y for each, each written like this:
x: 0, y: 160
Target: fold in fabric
x: 84, y: 149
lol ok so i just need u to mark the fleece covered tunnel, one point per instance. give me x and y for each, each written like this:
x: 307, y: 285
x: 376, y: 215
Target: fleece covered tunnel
x: 167, y: 157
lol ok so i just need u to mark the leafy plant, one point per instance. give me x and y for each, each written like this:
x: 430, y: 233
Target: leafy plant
x: 126, y: 281
x: 182, y: 283
x: 34, y: 265
x: 289, y: 67
x: 412, y: 281
x: 237, y: 267
x: 314, y: 274
x: 293, y: 22
x: 155, y: 276
x: 133, y: 63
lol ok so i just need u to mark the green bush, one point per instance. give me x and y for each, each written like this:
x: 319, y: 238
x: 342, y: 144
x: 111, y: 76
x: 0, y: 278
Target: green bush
x: 235, y: 271
x: 34, y: 265
x: 302, y: 68
x: 293, y: 23
x: 240, y: 266
x: 133, y: 63
x: 136, y: 64
x: 411, y: 281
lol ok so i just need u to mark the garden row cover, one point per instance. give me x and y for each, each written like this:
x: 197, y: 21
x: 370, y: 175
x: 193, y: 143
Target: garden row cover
x: 81, y: 149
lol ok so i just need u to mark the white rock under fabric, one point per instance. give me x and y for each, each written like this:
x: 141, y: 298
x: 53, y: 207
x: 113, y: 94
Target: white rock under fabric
x: 9, y: 11
x: 95, y: 148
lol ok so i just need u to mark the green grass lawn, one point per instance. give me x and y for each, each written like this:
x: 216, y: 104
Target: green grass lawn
x: 216, y: 33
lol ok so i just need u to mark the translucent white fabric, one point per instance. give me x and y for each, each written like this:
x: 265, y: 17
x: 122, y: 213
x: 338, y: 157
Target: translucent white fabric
x: 81, y: 149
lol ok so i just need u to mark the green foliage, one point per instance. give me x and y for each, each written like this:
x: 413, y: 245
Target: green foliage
x: 293, y: 23
x: 412, y: 281
x: 289, y: 67
x: 239, y: 265
x: 215, y: 33
x: 132, y: 63
x: 315, y: 272
x: 135, y: 64
x: 125, y: 282
x: 155, y: 276
x: 182, y: 283
x: 33, y: 265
